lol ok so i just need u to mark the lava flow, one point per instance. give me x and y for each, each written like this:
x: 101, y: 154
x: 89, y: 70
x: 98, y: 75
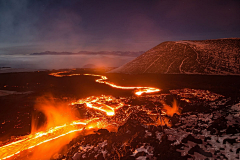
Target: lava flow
x: 38, y: 138
x: 103, y: 79
x: 138, y: 90
x: 95, y: 103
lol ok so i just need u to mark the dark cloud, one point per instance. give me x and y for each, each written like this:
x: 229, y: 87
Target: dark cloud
x: 76, y: 25
x: 205, y: 16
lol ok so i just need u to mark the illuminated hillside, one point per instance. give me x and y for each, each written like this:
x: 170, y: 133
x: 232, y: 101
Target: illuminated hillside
x: 218, y: 56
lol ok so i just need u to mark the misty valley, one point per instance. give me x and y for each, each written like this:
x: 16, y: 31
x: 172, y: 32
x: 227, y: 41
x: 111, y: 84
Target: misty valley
x: 48, y: 61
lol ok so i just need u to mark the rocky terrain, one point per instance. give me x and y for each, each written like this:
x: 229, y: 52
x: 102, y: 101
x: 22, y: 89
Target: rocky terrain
x: 207, y: 128
x: 219, y: 56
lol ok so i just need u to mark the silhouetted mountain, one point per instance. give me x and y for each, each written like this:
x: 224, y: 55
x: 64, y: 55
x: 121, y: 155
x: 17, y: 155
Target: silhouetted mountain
x: 115, y: 53
x: 220, y: 56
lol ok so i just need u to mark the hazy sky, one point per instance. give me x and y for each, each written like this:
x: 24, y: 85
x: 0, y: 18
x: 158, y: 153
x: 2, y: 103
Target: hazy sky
x: 28, y: 26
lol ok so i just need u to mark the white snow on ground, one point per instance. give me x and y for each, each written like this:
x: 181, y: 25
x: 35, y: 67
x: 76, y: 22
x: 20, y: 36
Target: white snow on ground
x: 174, y: 134
x: 99, y: 148
x: 141, y: 158
x: 214, y: 142
x: 147, y: 149
x: 236, y: 107
x: 159, y: 135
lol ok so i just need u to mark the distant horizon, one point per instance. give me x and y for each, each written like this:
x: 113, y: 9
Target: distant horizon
x: 8, y: 51
x: 62, y: 61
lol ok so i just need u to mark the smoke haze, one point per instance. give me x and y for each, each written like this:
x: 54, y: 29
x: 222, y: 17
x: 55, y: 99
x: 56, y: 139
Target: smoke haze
x: 35, y: 26
x: 61, y: 61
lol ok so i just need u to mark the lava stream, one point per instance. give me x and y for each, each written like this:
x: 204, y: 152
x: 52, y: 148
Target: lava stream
x: 38, y: 138
x: 138, y: 90
x: 33, y: 140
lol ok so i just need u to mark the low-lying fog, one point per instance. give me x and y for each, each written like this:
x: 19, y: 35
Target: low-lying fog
x: 61, y: 61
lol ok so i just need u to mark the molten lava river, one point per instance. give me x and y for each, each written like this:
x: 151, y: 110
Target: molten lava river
x: 107, y: 112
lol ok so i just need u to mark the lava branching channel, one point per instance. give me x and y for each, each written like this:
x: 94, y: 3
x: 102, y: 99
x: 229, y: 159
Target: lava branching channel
x: 98, y: 104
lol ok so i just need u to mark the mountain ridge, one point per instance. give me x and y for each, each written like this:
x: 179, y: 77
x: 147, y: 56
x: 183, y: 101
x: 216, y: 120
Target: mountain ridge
x: 217, y: 56
x: 115, y: 53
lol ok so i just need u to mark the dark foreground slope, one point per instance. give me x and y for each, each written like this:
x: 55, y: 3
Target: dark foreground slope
x: 218, y: 56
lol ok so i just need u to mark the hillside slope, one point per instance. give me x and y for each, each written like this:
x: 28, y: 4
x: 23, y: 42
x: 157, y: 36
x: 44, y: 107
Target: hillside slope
x: 220, y: 56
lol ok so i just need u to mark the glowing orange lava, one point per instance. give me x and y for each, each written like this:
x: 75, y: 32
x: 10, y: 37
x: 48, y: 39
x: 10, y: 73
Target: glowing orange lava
x: 138, y: 90
x: 33, y: 140
x: 95, y: 103
x: 38, y: 138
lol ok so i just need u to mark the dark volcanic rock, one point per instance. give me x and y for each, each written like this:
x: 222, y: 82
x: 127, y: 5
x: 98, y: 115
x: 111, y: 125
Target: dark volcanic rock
x: 191, y: 138
x: 218, y: 125
x: 195, y: 134
x: 167, y: 151
x: 218, y: 56
x: 231, y: 141
x: 233, y: 130
x: 102, y: 131
x: 199, y: 150
x: 174, y: 119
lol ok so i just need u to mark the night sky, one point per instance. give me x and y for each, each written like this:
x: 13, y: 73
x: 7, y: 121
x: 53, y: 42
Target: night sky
x: 28, y: 26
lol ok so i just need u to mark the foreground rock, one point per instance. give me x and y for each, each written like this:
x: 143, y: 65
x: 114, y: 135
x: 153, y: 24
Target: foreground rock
x: 206, y: 129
